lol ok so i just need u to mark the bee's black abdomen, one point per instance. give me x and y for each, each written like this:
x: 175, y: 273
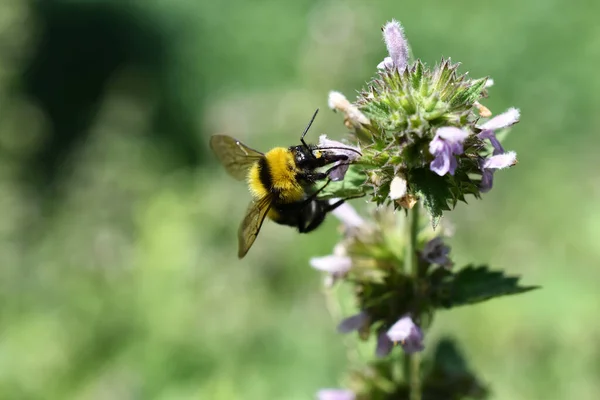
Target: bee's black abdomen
x: 265, y: 174
x: 306, y: 216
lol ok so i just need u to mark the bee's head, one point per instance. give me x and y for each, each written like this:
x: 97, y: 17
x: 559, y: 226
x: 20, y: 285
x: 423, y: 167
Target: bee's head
x: 310, y: 156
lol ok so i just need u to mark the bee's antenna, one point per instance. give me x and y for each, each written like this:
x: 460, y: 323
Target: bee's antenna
x: 307, y: 128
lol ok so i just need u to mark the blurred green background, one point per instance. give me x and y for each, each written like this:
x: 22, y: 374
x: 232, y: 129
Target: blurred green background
x: 118, y: 270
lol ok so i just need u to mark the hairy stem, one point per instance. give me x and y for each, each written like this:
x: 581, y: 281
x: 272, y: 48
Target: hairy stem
x: 412, y: 362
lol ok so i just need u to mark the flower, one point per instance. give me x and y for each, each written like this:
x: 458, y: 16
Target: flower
x: 500, y: 159
x: 336, y: 265
x: 491, y: 164
x: 491, y: 136
x: 408, y: 334
x: 335, y: 394
x: 436, y: 252
x: 347, y: 215
x: 504, y: 120
x: 384, y: 345
x: 396, y: 44
x: 447, y: 143
x: 353, y: 323
x: 339, y: 168
x: 333, y: 264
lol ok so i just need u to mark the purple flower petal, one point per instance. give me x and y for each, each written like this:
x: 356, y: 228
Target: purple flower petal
x: 436, y: 252
x: 501, y: 161
x: 491, y: 136
x: 396, y: 44
x: 500, y: 158
x: 447, y: 143
x: 487, y: 180
x: 408, y: 334
x: 332, y: 263
x: 453, y: 165
x: 504, y: 120
x: 338, y: 170
x: 442, y: 162
x: 335, y: 394
x: 491, y: 164
x: 384, y: 345
x: 452, y: 135
x: 353, y: 323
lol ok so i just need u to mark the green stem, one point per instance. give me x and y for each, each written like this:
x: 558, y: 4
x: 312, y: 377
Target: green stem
x: 412, y: 362
x: 411, y: 264
x: 335, y: 311
x: 415, y: 376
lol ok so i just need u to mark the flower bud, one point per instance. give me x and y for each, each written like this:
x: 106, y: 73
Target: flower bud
x: 393, y: 35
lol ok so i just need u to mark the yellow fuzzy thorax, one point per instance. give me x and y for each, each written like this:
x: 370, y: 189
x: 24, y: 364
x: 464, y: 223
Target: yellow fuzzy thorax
x: 282, y: 170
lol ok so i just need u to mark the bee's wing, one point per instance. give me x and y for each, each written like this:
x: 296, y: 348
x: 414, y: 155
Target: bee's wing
x: 236, y: 157
x: 250, y: 226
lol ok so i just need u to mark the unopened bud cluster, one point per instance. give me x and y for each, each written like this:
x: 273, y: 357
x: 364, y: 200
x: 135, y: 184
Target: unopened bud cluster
x: 422, y: 131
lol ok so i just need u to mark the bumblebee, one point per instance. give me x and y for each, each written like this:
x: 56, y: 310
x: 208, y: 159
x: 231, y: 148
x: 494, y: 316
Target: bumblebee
x: 281, y: 182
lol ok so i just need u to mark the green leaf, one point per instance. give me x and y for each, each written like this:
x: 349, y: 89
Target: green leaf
x: 444, y: 73
x: 450, y: 377
x: 448, y: 357
x: 472, y: 285
x: 469, y: 94
x: 353, y: 185
x: 376, y: 110
x: 434, y: 190
x: 417, y: 75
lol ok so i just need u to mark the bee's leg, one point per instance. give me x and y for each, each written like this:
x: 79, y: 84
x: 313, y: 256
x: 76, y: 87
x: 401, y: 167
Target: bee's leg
x: 313, y: 224
x: 336, y: 204
x: 333, y: 206
x: 315, y: 194
x: 312, y: 177
x: 319, y: 216
x: 321, y: 213
x: 315, y: 210
x: 319, y: 176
